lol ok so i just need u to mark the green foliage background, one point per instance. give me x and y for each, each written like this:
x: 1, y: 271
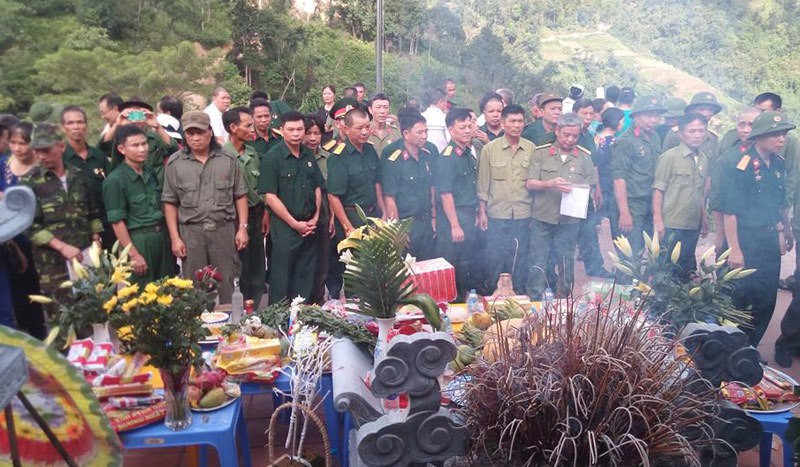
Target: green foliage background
x: 73, y: 51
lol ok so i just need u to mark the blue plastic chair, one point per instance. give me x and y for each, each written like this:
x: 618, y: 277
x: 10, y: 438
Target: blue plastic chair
x: 774, y: 424
x: 220, y: 429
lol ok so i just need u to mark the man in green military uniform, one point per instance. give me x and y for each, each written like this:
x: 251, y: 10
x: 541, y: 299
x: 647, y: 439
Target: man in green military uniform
x: 205, y: 204
x: 679, y: 191
x: 542, y: 131
x: 734, y: 144
x: 756, y: 215
x: 266, y: 137
x: 407, y: 187
x: 455, y: 174
x: 675, y: 106
x: 133, y: 206
x: 554, y: 169
x: 705, y: 104
x: 633, y: 165
x: 238, y: 122
x: 291, y: 182
x: 382, y: 134
x: 89, y: 159
x: 353, y: 179
x: 67, y: 218
x: 160, y: 144
x: 504, y: 203
x: 336, y: 121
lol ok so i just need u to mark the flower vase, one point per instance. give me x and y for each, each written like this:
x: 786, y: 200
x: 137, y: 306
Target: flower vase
x: 100, y: 333
x: 384, y: 326
x: 176, y: 395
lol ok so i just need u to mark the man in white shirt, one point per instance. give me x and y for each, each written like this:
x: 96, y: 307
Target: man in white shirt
x: 220, y: 101
x: 435, y: 118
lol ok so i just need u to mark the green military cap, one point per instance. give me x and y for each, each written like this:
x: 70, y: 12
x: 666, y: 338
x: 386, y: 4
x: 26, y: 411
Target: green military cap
x: 703, y: 98
x: 648, y: 104
x: 674, y: 107
x: 770, y: 122
x: 342, y: 106
x: 45, y: 112
x: 44, y: 135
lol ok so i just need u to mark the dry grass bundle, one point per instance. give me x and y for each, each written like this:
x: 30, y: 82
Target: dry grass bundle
x: 599, y: 387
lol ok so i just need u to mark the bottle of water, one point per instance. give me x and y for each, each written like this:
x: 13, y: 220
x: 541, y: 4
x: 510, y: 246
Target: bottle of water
x: 474, y: 304
x: 237, y: 303
x: 448, y: 325
x: 547, y: 302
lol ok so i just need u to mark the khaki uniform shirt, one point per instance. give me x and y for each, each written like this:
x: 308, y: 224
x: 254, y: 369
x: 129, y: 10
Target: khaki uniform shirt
x: 549, y: 163
x: 682, y: 179
x: 203, y: 192
x: 392, y: 134
x: 710, y: 146
x: 502, y: 172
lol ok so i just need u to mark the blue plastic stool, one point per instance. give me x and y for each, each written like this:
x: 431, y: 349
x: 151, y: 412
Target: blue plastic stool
x: 774, y: 424
x: 221, y: 429
x: 333, y: 419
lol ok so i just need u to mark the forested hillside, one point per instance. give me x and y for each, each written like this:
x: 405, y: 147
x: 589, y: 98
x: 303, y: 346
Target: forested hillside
x: 73, y: 51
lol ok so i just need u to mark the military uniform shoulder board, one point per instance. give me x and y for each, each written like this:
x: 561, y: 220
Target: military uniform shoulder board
x: 583, y: 149
x: 447, y: 151
x: 395, y: 155
x: 339, y: 148
x: 544, y: 146
x: 329, y: 145
x: 743, y: 162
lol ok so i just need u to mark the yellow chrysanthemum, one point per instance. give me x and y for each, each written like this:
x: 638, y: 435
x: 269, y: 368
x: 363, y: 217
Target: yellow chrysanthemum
x: 147, y: 298
x: 126, y: 292
x: 110, y: 304
x: 151, y: 288
x: 125, y: 333
x: 128, y: 306
x: 165, y: 300
x: 180, y: 283
x: 120, y: 275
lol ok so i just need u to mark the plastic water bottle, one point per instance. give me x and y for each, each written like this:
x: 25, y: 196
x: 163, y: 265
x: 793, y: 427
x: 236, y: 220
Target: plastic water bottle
x: 237, y: 303
x: 448, y: 326
x: 474, y: 304
x: 548, y: 299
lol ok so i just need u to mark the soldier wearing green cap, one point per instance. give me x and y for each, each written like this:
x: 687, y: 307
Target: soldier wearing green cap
x: 542, y: 131
x: 132, y: 199
x: 67, y: 217
x: 336, y: 121
x: 756, y: 214
x: 675, y: 106
x: 705, y: 104
x: 633, y: 164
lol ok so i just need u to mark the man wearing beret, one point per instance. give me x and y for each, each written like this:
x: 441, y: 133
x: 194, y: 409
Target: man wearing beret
x: 756, y: 215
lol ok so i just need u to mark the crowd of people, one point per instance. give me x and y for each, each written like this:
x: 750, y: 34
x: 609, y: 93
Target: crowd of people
x: 264, y: 193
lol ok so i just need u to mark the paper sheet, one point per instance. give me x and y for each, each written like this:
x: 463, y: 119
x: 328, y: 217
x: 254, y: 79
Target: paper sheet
x: 576, y: 202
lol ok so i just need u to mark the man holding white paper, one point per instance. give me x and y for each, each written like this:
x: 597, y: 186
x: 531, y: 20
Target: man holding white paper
x: 561, y: 177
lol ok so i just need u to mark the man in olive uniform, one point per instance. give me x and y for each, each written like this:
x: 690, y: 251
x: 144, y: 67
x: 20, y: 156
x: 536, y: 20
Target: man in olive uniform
x: 291, y: 183
x: 679, y: 192
x: 133, y: 205
x: 353, y: 179
x: 542, y: 131
x: 407, y: 187
x: 733, y: 146
x: 160, y: 144
x: 756, y: 214
x: 554, y: 169
x: 336, y: 121
x: 705, y: 104
x: 455, y: 174
x: 504, y: 203
x: 89, y: 159
x: 382, y: 133
x: 205, y: 204
x: 266, y: 137
x: 67, y: 218
x: 633, y: 166
x: 675, y: 108
x: 238, y: 122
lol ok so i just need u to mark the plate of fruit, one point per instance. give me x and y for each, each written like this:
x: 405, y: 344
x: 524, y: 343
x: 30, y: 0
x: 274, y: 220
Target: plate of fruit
x: 211, y: 391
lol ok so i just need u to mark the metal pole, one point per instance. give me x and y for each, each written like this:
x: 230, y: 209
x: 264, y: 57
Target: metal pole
x: 379, y: 49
